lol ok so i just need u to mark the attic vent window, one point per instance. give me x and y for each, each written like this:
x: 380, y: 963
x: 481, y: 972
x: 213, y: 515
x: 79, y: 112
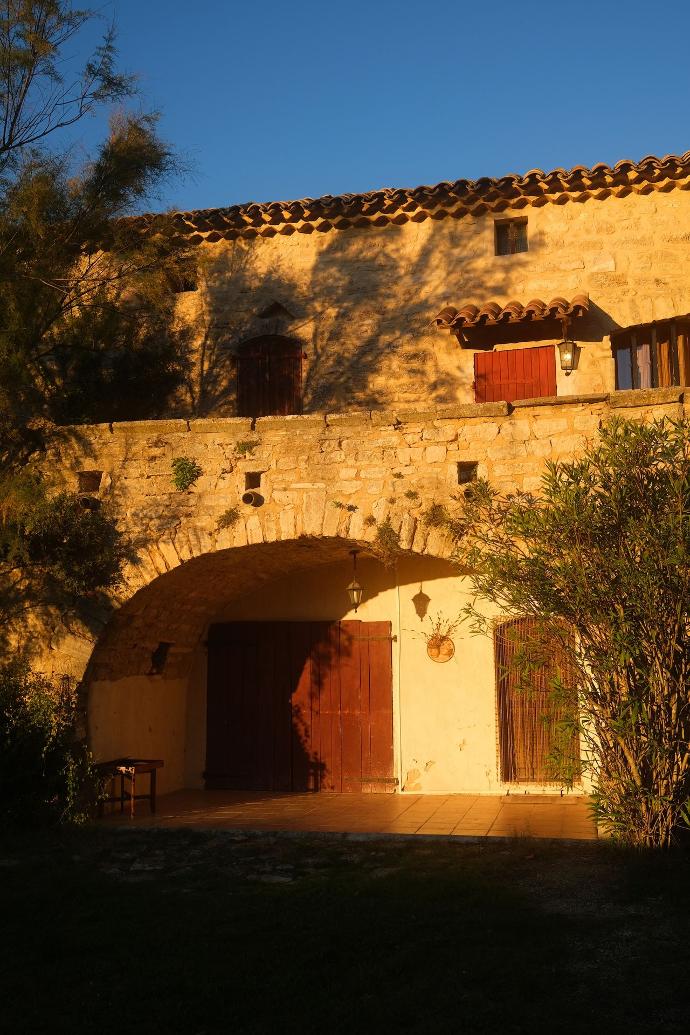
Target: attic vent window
x: 511, y: 236
x: 467, y: 471
x: 89, y: 481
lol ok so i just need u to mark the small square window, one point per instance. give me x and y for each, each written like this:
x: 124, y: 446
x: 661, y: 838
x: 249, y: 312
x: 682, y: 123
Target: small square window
x: 252, y: 480
x: 467, y: 471
x: 89, y: 481
x: 511, y: 236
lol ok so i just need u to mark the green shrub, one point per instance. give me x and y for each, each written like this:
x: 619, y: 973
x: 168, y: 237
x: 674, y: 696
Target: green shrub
x: 387, y: 543
x: 78, y: 550
x: 46, y: 774
x: 246, y: 448
x: 229, y: 517
x: 185, y: 472
x: 436, y: 516
x: 600, y: 561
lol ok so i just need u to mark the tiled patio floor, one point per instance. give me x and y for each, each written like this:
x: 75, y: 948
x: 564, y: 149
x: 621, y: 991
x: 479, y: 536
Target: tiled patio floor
x: 450, y: 815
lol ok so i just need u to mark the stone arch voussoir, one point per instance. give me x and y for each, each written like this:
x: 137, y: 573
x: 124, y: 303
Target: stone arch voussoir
x: 178, y: 572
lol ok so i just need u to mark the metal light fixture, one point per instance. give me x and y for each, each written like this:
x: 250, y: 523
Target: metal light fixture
x: 354, y: 589
x: 568, y: 350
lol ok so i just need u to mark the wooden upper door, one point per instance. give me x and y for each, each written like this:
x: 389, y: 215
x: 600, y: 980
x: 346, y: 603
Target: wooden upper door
x: 530, y: 723
x: 269, y: 377
x: 515, y: 374
x: 300, y: 706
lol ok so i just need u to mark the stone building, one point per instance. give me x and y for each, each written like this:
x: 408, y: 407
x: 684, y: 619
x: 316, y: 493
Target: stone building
x: 359, y: 358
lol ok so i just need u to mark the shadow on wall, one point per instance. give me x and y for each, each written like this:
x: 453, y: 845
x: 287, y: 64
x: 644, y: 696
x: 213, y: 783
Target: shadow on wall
x: 364, y: 312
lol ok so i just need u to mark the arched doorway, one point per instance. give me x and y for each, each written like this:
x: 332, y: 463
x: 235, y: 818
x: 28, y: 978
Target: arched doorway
x: 312, y: 696
x: 269, y: 377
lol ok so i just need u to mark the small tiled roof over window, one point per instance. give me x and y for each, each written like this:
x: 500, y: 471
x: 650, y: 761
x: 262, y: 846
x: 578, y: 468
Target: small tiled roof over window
x: 493, y: 314
x: 457, y: 199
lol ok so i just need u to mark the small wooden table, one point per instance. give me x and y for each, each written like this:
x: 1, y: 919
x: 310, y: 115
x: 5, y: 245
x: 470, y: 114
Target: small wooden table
x: 127, y: 769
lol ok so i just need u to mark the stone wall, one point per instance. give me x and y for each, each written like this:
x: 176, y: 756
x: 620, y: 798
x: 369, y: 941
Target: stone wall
x: 323, y: 478
x: 363, y: 302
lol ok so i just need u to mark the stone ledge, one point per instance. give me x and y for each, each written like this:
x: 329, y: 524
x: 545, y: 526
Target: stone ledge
x: 414, y: 416
x: 472, y: 410
x: 292, y: 422
x: 348, y: 418
x: 221, y: 425
x: 560, y: 400
x: 150, y: 427
x: 383, y: 418
x: 638, y: 397
x: 234, y: 427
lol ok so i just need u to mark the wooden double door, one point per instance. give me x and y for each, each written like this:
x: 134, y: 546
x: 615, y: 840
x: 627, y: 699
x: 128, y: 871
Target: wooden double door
x: 296, y: 706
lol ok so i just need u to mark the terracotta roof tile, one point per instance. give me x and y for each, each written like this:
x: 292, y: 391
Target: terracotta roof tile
x: 491, y: 314
x: 456, y: 199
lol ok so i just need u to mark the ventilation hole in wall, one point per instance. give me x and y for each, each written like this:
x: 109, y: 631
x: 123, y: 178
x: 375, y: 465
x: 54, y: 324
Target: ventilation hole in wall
x: 467, y: 471
x: 158, y: 658
x: 252, y: 480
x: 89, y: 503
x: 89, y: 481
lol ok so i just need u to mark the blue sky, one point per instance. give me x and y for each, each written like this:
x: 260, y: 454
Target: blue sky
x: 271, y: 100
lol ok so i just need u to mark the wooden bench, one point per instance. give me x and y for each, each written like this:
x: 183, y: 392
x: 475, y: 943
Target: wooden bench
x: 126, y: 770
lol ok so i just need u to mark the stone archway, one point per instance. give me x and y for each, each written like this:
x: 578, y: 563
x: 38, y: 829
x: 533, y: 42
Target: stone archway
x: 145, y: 683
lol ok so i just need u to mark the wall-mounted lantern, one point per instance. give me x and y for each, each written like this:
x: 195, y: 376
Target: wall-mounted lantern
x: 568, y: 350
x: 354, y: 590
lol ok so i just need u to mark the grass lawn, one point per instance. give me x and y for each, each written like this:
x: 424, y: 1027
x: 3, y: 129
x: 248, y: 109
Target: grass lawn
x: 187, y: 932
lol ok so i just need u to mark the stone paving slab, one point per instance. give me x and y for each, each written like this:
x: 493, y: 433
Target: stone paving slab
x: 433, y: 815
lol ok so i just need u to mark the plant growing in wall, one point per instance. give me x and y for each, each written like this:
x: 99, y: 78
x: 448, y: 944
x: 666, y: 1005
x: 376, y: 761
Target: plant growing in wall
x: 386, y: 543
x: 245, y: 448
x: 184, y: 472
x: 436, y: 516
x: 229, y: 518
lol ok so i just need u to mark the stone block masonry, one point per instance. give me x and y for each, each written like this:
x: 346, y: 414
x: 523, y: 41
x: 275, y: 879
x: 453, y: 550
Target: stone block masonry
x: 322, y: 476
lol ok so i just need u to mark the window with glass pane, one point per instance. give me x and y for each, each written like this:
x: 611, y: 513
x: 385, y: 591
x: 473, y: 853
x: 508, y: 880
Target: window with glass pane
x: 511, y: 236
x: 653, y: 356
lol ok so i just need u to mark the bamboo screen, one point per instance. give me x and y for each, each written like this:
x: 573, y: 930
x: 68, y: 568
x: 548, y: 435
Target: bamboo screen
x: 528, y: 718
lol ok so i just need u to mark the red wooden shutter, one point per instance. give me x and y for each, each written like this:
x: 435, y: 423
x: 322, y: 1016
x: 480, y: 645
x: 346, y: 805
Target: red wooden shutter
x: 515, y: 374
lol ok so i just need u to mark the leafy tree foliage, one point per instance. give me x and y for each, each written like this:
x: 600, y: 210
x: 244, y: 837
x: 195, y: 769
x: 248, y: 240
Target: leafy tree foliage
x: 601, y: 559
x: 87, y: 314
x: 45, y: 772
x: 87, y: 300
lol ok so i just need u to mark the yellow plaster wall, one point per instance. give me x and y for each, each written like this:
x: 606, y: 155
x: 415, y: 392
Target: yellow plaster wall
x: 444, y: 714
x: 140, y: 717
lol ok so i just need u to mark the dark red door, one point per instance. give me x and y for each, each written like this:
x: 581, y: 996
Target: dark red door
x: 269, y: 377
x: 515, y: 374
x: 300, y: 706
